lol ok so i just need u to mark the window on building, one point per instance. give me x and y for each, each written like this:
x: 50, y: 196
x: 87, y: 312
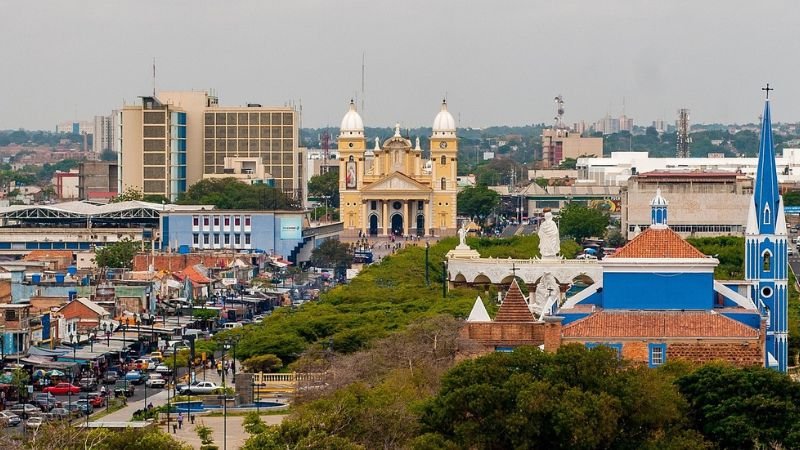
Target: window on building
x: 237, y: 221
x: 766, y: 214
x: 216, y: 221
x: 196, y: 221
x: 617, y: 347
x: 237, y: 239
x: 205, y: 239
x: 195, y: 239
x: 216, y: 239
x: 227, y: 221
x: 247, y: 221
x: 444, y: 160
x: 373, y: 205
x: 444, y: 183
x: 227, y: 239
x: 247, y: 239
x: 658, y: 354
x: 205, y: 221
x: 420, y: 205
x: 767, y: 261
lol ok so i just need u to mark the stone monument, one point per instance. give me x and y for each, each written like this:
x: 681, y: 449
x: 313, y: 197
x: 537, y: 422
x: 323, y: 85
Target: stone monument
x: 549, y: 241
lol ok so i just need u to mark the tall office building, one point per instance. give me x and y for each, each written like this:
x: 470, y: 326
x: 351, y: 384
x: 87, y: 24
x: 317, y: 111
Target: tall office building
x: 190, y: 136
x: 154, y: 148
x: 103, y: 133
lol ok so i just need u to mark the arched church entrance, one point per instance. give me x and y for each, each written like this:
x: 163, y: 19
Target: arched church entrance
x: 420, y: 225
x: 397, y: 224
x: 373, y: 225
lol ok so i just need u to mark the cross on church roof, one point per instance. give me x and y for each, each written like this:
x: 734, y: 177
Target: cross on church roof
x: 767, y: 89
x: 514, y: 269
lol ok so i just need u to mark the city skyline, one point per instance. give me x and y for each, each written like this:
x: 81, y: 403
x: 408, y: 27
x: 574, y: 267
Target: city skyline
x: 497, y: 64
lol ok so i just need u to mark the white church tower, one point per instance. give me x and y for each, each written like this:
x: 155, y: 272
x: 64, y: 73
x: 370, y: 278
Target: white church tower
x: 766, y: 255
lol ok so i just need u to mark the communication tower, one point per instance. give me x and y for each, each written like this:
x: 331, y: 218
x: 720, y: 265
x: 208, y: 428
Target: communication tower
x: 683, y: 133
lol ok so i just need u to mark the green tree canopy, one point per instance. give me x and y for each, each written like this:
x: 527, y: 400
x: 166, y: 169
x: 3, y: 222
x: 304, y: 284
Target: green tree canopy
x: 118, y: 254
x: 325, y: 186
x: 743, y: 408
x: 263, y: 363
x: 581, y: 222
x: 478, y: 202
x: 332, y: 253
x: 573, y: 399
x: 229, y: 193
x: 130, y: 194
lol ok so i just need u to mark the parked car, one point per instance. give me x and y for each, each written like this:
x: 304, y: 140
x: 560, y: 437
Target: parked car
x: 34, y: 423
x: 122, y: 388
x: 95, y: 399
x: 135, y: 377
x: 62, y: 389
x: 85, y: 406
x: 60, y: 413
x: 73, y: 408
x: 25, y: 410
x: 9, y: 419
x: 162, y: 369
x: 155, y: 381
x: 110, y: 377
x: 88, y: 384
x: 45, y: 401
x: 202, y: 387
x: 157, y: 355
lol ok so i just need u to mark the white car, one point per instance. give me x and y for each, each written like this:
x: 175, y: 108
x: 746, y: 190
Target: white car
x: 162, y: 369
x: 155, y: 381
x: 203, y: 387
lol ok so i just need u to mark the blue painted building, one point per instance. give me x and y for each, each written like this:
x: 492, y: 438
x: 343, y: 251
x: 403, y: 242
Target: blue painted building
x: 284, y: 233
x: 658, y: 298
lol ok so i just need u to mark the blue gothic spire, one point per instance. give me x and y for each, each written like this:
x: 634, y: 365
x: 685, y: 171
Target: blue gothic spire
x: 766, y: 193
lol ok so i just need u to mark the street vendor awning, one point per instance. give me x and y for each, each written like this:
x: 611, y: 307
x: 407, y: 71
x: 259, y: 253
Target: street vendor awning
x: 46, y: 352
x: 48, y: 364
x: 175, y: 284
x: 278, y: 263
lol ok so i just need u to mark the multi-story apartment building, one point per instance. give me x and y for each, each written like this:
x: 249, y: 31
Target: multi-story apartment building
x: 187, y: 137
x: 103, y: 133
x: 154, y: 148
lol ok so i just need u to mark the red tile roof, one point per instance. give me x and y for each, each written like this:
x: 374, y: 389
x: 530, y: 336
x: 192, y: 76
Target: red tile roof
x: 658, y: 243
x: 657, y: 324
x: 194, y: 275
x: 514, y: 307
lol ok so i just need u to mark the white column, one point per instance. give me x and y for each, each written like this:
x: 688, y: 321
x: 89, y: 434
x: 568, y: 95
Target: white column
x: 364, y: 217
x: 407, y: 221
x: 428, y: 222
x: 385, y: 217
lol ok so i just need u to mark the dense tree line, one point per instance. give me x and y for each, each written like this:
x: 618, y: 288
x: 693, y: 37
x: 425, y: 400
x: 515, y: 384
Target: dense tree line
x: 229, y: 193
x: 398, y: 395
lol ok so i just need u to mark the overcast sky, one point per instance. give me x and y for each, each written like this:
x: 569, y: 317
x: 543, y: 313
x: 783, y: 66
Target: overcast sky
x: 498, y: 62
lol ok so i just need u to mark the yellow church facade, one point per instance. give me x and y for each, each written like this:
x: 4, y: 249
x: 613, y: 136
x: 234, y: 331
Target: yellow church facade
x: 391, y: 189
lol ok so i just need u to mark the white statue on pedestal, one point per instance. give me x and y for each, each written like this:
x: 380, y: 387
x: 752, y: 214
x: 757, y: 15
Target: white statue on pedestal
x: 549, y: 242
x: 462, y: 236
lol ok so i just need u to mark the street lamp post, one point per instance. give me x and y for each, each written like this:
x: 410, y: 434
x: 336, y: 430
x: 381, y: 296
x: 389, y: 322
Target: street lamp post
x: 224, y: 401
x: 73, y: 339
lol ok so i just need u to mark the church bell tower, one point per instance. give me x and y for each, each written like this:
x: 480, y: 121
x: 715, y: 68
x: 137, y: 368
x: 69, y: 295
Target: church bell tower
x: 766, y: 256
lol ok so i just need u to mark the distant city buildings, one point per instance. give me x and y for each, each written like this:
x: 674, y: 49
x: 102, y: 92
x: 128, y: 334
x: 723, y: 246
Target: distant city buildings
x: 76, y: 127
x: 176, y: 139
x: 559, y: 144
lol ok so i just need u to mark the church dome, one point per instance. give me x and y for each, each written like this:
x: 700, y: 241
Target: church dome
x: 444, y: 124
x: 352, y: 125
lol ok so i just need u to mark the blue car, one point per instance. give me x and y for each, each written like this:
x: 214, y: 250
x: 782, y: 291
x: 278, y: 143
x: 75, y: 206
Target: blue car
x: 135, y: 377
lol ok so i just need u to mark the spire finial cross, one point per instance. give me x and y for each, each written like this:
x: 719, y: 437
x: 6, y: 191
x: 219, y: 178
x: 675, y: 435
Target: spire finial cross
x: 767, y: 89
x: 514, y: 269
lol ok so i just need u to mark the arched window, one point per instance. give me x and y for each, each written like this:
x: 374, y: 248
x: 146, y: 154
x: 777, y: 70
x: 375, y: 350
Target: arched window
x: 766, y: 261
x: 766, y: 214
x: 444, y: 183
x: 351, y: 158
x: 444, y: 160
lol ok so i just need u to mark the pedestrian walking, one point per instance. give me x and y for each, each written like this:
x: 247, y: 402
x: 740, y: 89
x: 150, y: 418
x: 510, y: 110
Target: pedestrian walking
x: 180, y: 420
x: 219, y: 368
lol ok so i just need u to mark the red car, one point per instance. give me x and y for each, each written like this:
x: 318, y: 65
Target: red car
x: 62, y: 389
